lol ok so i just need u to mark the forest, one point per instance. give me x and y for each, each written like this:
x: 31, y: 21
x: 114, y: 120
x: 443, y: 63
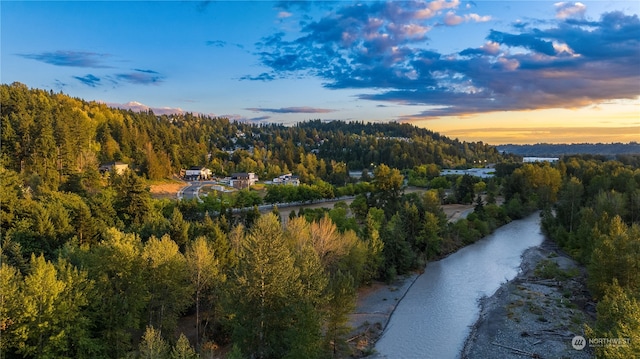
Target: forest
x: 92, y: 266
x: 596, y: 219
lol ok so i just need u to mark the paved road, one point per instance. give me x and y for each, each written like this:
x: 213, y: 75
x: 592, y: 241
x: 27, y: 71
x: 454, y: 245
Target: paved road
x: 193, y: 189
x: 190, y: 191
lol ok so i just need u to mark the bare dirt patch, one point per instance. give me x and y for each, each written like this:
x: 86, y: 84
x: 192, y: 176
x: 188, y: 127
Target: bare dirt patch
x: 166, y: 190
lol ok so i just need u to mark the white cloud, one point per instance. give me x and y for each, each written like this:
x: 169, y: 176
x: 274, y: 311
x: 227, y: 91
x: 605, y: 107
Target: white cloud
x: 451, y: 19
x: 565, y: 9
x: 490, y: 47
x: 477, y: 18
x: 563, y: 48
x: 443, y: 4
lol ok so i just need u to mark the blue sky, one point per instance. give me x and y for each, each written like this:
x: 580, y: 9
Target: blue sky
x: 498, y: 71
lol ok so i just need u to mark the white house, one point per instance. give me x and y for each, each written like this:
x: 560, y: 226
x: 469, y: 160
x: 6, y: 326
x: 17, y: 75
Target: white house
x: 196, y: 173
x: 287, y: 179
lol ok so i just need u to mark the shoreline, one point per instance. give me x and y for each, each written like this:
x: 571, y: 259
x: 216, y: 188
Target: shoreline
x: 374, y: 306
x: 536, y: 314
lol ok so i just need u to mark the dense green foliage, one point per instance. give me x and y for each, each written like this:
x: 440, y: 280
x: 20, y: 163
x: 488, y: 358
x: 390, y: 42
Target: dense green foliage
x: 597, y: 220
x: 93, y: 267
x: 50, y: 138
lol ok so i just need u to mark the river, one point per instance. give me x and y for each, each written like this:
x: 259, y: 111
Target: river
x: 434, y: 318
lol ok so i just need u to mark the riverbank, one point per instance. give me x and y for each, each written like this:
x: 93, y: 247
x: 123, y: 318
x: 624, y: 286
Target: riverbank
x: 374, y: 307
x: 536, y: 314
x: 377, y: 303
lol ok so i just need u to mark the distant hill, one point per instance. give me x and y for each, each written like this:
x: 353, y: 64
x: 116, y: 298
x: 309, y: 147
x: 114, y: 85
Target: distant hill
x: 559, y: 150
x: 53, y: 139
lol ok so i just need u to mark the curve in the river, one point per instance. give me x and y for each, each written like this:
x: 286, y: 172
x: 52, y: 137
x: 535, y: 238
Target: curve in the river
x: 434, y: 318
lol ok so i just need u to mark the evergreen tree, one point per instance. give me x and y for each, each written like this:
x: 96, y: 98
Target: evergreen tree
x: 464, y: 189
x: 179, y: 228
x: 342, y: 303
x: 133, y: 202
x: 375, y: 248
x: 618, y: 318
x: 116, y: 266
x: 616, y: 255
x: 11, y: 299
x: 398, y: 256
x: 203, y: 270
x: 269, y: 284
x: 183, y: 349
x: 478, y: 209
x: 169, y: 285
x: 152, y: 345
x: 51, y: 321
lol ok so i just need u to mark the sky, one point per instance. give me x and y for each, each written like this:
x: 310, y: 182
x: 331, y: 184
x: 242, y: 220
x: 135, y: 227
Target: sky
x: 493, y: 71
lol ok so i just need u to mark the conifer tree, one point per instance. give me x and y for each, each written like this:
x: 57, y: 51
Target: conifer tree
x: 618, y: 318
x: 169, y: 286
x: 183, y: 349
x: 117, y: 267
x: 179, y: 228
x: 51, y: 320
x: 343, y: 301
x: 203, y: 270
x: 133, y: 202
x: 616, y: 255
x: 269, y: 284
x: 152, y: 345
x: 11, y: 298
x: 375, y: 247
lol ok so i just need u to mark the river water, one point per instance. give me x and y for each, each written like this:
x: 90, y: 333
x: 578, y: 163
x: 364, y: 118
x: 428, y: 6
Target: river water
x: 434, y: 318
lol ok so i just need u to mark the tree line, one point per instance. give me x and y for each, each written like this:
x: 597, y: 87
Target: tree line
x: 596, y: 219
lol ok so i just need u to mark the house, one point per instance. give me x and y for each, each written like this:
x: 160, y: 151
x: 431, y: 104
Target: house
x: 243, y: 180
x: 118, y: 167
x: 197, y: 173
x: 287, y: 179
